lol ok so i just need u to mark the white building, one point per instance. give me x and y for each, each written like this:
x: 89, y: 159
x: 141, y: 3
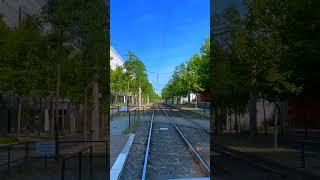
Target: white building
x: 185, y: 99
x: 116, y: 59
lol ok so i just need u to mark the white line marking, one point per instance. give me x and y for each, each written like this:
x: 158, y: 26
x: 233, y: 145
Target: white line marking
x: 118, y: 165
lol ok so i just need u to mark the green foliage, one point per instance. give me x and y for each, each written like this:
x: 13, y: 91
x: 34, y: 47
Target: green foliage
x: 131, y: 77
x: 28, y: 57
x: 192, y: 76
x: 269, y: 52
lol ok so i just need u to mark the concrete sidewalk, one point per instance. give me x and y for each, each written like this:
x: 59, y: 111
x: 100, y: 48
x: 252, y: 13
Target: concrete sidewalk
x: 288, y: 154
x: 117, y: 138
x: 117, y: 143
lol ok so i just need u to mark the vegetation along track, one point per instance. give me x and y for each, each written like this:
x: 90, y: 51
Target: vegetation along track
x: 168, y: 153
x: 228, y: 163
x: 197, y: 134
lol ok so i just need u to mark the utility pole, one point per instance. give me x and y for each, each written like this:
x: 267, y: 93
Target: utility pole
x: 139, y: 103
x: 56, y: 134
x: 20, y: 14
x: 95, y: 111
x: 85, y: 114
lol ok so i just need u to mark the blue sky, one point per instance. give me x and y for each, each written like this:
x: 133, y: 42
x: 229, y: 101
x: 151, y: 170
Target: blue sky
x: 163, y: 34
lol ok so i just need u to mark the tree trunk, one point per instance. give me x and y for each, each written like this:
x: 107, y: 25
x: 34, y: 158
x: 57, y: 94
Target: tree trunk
x: 230, y: 114
x: 19, y: 116
x: 220, y: 118
x: 139, y: 98
x: 216, y: 121
x: 116, y: 98
x: 189, y: 94
x: 236, y: 121
x: 85, y: 123
x: 63, y: 128
x: 95, y: 111
x: 264, y: 117
x: 239, y: 117
x: 253, y: 113
x: 196, y: 101
x: 53, y: 116
x: 276, y: 128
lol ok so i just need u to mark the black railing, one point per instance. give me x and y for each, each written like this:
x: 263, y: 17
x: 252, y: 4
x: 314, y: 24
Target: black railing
x: 78, y: 155
x: 20, y: 152
x: 9, y: 148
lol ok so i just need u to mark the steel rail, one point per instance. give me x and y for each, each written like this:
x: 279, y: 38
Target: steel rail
x: 144, y: 171
x: 190, y: 120
x: 195, y: 153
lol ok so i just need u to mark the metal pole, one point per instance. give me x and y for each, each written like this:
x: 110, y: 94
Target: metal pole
x: 56, y: 135
x: 62, y: 169
x: 26, y: 151
x: 305, y: 124
x: 90, y: 162
x: 80, y: 165
x: 138, y: 113
x: 129, y: 120
x: 45, y: 161
x: 9, y: 160
x: 303, y: 162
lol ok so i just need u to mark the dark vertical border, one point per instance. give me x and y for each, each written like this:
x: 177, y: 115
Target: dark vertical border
x: 107, y: 99
x: 212, y: 6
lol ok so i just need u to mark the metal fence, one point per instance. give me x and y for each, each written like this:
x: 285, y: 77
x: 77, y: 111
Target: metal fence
x: 76, y: 160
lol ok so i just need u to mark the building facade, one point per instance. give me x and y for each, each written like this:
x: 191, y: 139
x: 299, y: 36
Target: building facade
x: 116, y: 59
x: 38, y: 113
x: 14, y: 11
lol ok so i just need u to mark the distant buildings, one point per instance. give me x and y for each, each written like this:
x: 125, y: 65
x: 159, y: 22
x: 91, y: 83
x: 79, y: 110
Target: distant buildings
x: 14, y: 11
x: 38, y: 112
x: 116, y: 59
x: 219, y: 31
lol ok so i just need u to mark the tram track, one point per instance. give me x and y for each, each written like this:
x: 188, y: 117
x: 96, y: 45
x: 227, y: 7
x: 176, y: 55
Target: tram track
x: 168, y: 153
x: 229, y: 163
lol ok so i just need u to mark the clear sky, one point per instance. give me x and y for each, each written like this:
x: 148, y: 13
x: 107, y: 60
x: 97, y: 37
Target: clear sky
x: 162, y: 33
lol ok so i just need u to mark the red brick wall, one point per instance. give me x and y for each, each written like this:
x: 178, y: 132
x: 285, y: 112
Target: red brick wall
x: 300, y: 105
x: 204, y: 96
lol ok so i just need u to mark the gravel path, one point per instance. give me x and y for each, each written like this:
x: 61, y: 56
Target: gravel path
x: 134, y: 163
x: 196, y: 134
x: 169, y: 157
x: 225, y: 167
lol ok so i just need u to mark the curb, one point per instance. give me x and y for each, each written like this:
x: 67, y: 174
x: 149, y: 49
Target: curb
x: 119, y: 163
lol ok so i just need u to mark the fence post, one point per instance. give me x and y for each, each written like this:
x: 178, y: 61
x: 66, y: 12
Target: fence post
x: 62, y: 169
x: 129, y: 120
x: 80, y: 165
x: 9, y: 160
x: 26, y: 151
x: 45, y: 161
x: 90, y: 162
x: 138, y: 113
x: 303, y: 162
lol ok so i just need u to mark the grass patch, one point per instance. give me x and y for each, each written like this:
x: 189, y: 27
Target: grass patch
x: 34, y: 138
x: 134, y: 125
x: 13, y: 139
x: 8, y: 139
